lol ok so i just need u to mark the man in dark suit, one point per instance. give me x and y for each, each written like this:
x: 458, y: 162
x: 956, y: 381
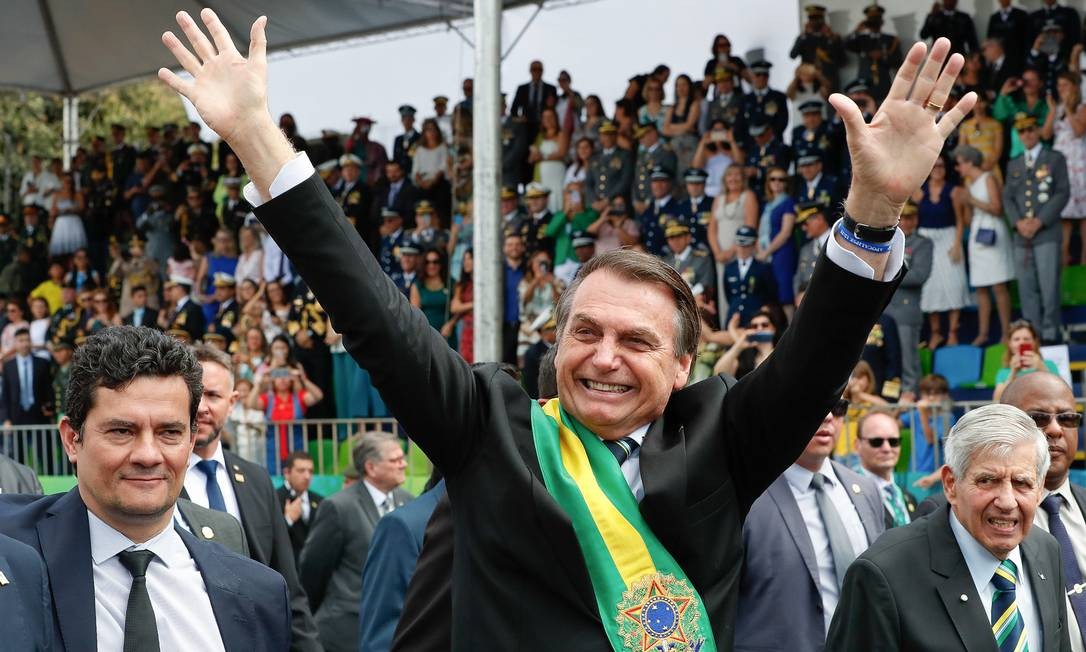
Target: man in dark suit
x: 142, y: 314
x: 397, y: 194
x: 998, y: 65
x: 220, y: 480
x: 704, y: 459
x: 1037, y: 189
x: 339, y: 539
x: 28, y: 385
x: 973, y: 575
x: 878, y: 445
x: 1010, y: 25
x: 514, y: 148
x: 390, y: 565
x: 184, y: 313
x: 800, y: 536
x: 403, y: 146
x: 25, y: 602
x: 129, y: 427
x: 532, y: 98
x: 1064, y: 17
x: 297, y: 502
x: 1048, y: 400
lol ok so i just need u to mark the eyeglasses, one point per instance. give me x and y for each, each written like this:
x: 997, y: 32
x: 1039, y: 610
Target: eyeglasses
x: 840, y: 408
x: 877, y: 442
x: 781, y: 179
x: 1065, y: 419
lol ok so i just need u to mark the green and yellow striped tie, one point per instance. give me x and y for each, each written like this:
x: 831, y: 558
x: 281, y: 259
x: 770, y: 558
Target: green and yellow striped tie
x: 1007, y: 625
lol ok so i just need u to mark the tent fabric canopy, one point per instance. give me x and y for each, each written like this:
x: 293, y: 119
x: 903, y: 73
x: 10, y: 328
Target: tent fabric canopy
x: 71, y: 46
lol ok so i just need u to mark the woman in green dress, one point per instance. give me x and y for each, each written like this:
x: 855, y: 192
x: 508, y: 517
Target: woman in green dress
x: 430, y: 292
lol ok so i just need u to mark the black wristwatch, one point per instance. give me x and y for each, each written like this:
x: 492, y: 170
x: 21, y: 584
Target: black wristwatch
x: 876, y: 234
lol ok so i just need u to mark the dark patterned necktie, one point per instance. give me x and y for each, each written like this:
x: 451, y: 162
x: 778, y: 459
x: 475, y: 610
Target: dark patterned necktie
x: 622, y: 449
x: 140, y: 630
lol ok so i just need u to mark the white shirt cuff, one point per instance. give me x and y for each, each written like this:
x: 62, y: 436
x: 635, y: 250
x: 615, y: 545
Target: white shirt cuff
x: 293, y: 173
x: 849, y: 261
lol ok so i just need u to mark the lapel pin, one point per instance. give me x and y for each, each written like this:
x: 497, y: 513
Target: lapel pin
x: 4, y: 579
x: 207, y: 532
x: 239, y: 477
x: 236, y: 467
x: 963, y: 597
x: 855, y: 488
x: 1042, y: 575
x: 313, y: 504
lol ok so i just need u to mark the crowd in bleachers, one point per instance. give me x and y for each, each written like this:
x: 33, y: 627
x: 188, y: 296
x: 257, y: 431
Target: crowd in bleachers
x: 732, y: 181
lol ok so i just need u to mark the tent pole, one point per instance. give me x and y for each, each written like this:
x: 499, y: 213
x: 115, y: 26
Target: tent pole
x: 486, y: 182
x: 71, y: 129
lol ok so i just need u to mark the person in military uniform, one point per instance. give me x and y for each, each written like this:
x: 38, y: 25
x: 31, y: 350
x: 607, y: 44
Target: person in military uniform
x: 812, y: 182
x: 1036, y: 192
x: 217, y: 341
x: 62, y: 371
x: 819, y: 46
x: 749, y: 283
x: 443, y: 117
x: 136, y: 270
x: 392, y: 239
x: 1063, y: 16
x: 904, y: 307
x: 814, y: 134
x: 610, y: 171
x: 371, y: 154
x: 813, y: 217
x: 514, y: 148
x: 121, y: 159
x: 64, y: 325
x: 234, y: 209
x: 659, y: 211
x: 512, y: 215
x: 764, y: 104
x: 725, y: 103
x: 9, y: 241
x: 226, y: 317
x: 35, y: 237
x: 183, y: 314
x: 533, y: 229
x: 944, y: 20
x: 307, y: 324
x: 426, y: 234
x: 352, y: 194
x: 883, y: 352
x: 403, y: 147
x: 879, y: 52
x: 696, y: 209
x: 404, y: 277
x: 693, y: 264
x: 859, y: 92
x: 653, y: 154
x: 763, y: 152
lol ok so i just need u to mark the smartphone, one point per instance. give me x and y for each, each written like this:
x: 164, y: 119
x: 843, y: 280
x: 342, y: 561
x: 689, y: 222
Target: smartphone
x: 761, y: 337
x: 719, y: 136
x: 544, y: 268
x: 1026, y: 347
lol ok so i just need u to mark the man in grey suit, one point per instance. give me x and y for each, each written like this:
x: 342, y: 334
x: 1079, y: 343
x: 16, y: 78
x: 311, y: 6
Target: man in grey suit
x: 17, y: 478
x: 1036, y: 192
x: 799, y: 538
x: 339, y: 538
x: 812, y: 216
x: 974, y: 574
x: 905, y: 305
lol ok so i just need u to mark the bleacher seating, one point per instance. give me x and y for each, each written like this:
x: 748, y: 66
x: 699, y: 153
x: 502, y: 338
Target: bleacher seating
x: 960, y: 365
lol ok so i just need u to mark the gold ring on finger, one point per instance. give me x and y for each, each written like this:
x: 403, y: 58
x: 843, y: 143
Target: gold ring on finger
x: 933, y: 105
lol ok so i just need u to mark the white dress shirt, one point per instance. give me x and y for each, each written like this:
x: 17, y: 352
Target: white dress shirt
x: 799, y: 481
x: 982, y: 566
x: 196, y: 483
x: 1075, y: 524
x: 183, y: 612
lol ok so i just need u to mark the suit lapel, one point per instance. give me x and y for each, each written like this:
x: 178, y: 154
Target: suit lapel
x: 860, y: 501
x: 1043, y: 571
x: 957, y: 591
x: 248, y: 505
x: 365, y: 500
x: 64, y: 538
x: 665, y: 495
x: 793, y: 520
x: 233, y: 615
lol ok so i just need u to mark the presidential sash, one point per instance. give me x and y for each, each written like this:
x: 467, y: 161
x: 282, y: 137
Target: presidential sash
x: 645, y: 600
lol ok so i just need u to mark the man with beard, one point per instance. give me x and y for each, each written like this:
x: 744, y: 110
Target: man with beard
x: 220, y: 480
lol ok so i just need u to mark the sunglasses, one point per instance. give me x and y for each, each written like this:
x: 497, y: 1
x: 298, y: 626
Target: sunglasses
x: 840, y: 408
x: 1065, y: 419
x: 877, y: 442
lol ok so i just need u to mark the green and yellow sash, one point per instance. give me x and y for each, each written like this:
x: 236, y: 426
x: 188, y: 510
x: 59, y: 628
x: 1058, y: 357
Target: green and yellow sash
x: 645, y: 600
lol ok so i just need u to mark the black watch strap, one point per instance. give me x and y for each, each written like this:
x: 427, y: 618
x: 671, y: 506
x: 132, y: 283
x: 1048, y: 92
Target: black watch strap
x: 874, y: 234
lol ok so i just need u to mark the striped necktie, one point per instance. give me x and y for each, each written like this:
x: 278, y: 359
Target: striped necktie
x: 895, y: 501
x: 1007, y: 625
x: 622, y: 449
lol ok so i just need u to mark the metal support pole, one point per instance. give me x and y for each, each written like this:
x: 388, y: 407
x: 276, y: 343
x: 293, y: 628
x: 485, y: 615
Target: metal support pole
x: 486, y: 181
x: 71, y: 129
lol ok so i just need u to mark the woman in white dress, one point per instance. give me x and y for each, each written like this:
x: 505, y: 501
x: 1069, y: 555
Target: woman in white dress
x: 65, y: 219
x: 549, y: 155
x: 991, y: 260
x: 1066, y: 125
x: 735, y: 206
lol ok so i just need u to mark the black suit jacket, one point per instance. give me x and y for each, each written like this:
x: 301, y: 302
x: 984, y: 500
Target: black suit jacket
x: 520, y: 575
x: 404, y: 202
x: 25, y: 602
x: 912, y: 591
x: 190, y: 319
x: 150, y: 319
x: 522, y: 102
x: 249, y: 601
x: 43, y: 392
x: 300, y: 529
x: 1014, y: 32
